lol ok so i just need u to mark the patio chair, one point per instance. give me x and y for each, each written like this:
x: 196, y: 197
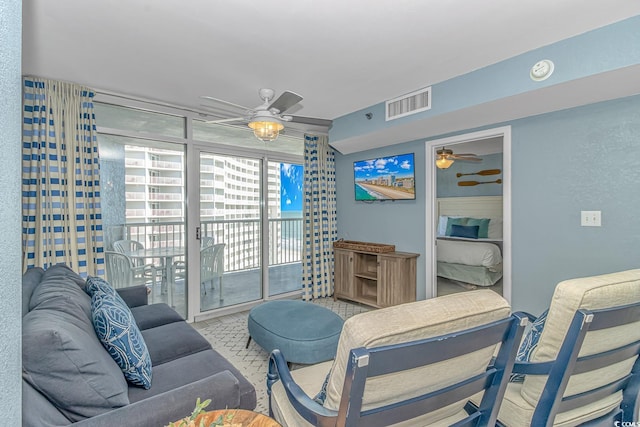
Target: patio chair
x: 206, y: 241
x: 585, y: 366
x: 415, y: 364
x: 212, y: 266
x: 141, y: 270
x: 121, y: 272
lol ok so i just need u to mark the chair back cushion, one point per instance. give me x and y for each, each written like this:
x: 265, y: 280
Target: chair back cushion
x: 597, y: 292
x: 410, y: 322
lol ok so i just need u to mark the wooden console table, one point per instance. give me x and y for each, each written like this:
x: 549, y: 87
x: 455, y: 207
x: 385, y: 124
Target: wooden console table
x: 375, y: 279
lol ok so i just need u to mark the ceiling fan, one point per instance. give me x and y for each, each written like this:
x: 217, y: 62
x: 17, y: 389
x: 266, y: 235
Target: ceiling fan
x: 267, y: 119
x: 445, y: 158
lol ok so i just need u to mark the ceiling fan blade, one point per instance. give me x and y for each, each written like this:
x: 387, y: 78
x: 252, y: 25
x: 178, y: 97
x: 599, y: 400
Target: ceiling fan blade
x: 312, y: 121
x: 233, y: 119
x: 466, y: 159
x: 285, y: 101
x: 222, y: 101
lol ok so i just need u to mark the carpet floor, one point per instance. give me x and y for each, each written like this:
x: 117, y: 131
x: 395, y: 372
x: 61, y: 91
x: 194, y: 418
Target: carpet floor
x: 228, y: 335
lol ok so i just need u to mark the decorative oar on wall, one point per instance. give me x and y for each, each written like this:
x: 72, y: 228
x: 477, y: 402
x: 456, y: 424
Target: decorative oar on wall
x: 472, y: 183
x: 485, y: 172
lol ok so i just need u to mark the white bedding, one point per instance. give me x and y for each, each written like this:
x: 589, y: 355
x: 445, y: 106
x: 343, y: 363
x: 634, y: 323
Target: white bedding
x: 470, y: 253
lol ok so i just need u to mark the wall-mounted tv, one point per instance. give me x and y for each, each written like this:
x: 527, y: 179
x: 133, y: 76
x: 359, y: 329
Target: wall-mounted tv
x: 385, y: 178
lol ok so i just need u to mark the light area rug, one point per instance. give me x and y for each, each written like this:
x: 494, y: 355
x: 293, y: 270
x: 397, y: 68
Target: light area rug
x: 228, y: 335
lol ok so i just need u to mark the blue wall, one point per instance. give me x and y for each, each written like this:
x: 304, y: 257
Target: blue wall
x: 612, y: 47
x: 585, y: 158
x: 447, y: 180
x: 10, y: 212
x: 399, y: 222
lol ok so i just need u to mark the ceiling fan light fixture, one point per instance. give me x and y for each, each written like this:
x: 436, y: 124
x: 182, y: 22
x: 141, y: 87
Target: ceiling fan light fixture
x: 266, y: 130
x: 443, y: 163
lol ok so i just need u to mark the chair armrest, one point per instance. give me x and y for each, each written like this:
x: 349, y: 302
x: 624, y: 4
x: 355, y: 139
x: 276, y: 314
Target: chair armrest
x: 134, y: 296
x: 529, y: 316
x: 222, y: 388
x: 533, y: 368
x: 308, y: 408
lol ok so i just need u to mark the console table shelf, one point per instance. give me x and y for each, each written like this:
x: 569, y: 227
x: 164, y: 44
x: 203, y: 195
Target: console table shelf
x: 375, y: 279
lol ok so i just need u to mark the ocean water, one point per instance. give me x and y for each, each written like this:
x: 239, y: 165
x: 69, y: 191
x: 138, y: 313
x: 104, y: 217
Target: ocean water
x: 362, y: 194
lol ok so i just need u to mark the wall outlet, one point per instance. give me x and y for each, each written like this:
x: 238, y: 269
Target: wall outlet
x: 590, y: 218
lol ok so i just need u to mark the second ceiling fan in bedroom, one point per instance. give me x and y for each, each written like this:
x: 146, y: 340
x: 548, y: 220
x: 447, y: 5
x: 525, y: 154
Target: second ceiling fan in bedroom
x: 445, y: 158
x: 267, y: 120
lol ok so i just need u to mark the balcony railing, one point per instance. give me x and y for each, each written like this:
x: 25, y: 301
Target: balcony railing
x: 242, y: 238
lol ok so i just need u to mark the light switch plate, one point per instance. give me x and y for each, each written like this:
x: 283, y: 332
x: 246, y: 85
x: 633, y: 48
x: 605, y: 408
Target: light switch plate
x: 591, y: 218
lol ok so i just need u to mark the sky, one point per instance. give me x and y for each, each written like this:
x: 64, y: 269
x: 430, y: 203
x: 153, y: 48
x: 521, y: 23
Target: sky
x: 291, y: 180
x: 401, y: 166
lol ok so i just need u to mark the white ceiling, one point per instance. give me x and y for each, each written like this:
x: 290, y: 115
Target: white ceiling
x: 341, y: 55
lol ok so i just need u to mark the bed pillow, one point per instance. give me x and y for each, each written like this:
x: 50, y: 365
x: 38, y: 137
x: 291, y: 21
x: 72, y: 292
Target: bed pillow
x: 455, y: 221
x: 495, y: 229
x: 441, y: 230
x: 483, y: 226
x: 467, y: 231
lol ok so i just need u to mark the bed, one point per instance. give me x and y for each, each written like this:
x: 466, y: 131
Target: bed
x: 469, y: 239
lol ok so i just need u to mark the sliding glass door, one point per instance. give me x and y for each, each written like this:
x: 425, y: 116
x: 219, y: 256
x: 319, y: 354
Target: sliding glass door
x: 285, y: 195
x: 230, y: 230
x: 143, y: 213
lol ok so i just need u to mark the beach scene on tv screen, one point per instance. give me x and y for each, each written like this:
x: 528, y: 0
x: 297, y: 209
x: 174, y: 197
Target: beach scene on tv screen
x: 385, y: 178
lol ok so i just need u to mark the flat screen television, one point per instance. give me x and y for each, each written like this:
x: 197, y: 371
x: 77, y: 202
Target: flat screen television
x: 385, y: 178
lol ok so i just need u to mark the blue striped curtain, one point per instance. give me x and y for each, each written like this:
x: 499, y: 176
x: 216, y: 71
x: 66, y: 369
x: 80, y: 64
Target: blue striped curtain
x: 320, y: 222
x: 61, y: 220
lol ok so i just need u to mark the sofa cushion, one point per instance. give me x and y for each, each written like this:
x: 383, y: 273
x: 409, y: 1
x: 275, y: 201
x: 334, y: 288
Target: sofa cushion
x: 59, y: 281
x: 194, y: 367
x: 117, y: 331
x: 63, y: 359
x: 154, y: 315
x: 30, y: 280
x: 173, y: 341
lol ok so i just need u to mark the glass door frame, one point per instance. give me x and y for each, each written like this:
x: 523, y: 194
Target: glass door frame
x: 194, y: 150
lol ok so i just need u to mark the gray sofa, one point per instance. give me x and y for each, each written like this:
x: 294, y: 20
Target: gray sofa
x: 70, y: 379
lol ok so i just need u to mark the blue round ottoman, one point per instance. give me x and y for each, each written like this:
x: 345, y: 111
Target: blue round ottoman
x: 304, y: 332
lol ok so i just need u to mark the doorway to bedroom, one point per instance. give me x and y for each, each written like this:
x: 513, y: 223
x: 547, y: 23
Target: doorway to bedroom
x: 468, y: 213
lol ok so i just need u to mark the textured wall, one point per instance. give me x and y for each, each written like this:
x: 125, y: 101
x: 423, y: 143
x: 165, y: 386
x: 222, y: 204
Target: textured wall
x: 10, y: 258
x: 585, y: 158
x: 112, y: 173
x: 399, y: 222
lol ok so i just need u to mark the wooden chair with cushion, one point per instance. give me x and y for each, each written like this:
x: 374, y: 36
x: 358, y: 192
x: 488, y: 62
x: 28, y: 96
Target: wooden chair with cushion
x: 584, y: 369
x: 413, y: 364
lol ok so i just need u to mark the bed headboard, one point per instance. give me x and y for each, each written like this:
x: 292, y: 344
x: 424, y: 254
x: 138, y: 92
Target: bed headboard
x: 476, y: 207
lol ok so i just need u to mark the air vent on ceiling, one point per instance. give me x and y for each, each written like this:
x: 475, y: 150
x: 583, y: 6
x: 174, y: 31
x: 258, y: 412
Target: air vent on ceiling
x: 408, y: 104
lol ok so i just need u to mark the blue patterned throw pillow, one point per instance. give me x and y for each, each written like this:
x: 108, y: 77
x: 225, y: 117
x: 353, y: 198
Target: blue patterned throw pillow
x: 529, y: 344
x: 96, y: 284
x: 117, y: 331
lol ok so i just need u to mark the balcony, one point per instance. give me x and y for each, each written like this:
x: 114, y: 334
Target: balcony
x: 242, y: 238
x: 161, y: 164
x: 161, y: 180
x: 166, y: 212
x: 177, y: 197
x: 241, y: 279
